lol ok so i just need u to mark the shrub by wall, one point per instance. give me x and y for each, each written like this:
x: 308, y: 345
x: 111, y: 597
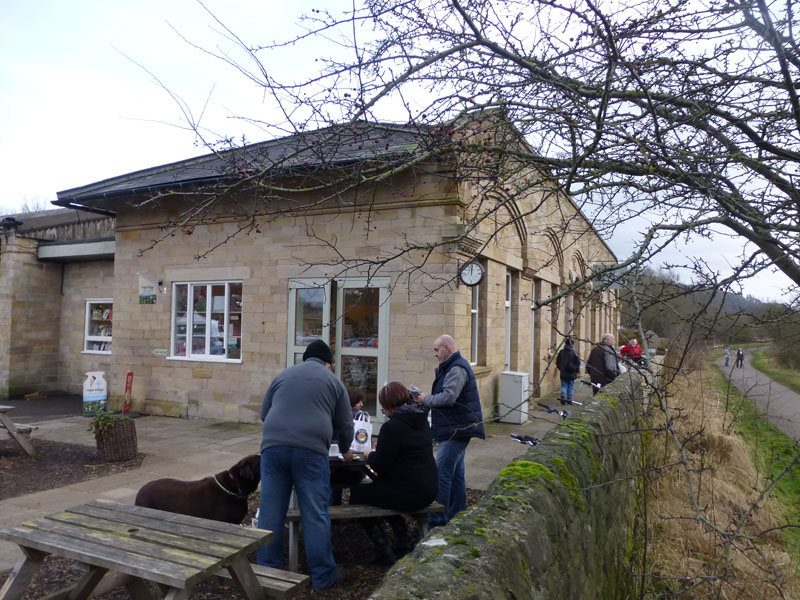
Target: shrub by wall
x: 557, y: 523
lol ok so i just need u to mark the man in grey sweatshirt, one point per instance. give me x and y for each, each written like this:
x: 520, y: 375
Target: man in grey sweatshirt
x: 303, y: 408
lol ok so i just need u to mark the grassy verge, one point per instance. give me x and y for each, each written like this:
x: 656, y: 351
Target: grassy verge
x: 766, y: 365
x: 772, y: 451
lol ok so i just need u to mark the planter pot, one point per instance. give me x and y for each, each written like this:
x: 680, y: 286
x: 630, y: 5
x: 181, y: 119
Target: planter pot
x: 118, y: 442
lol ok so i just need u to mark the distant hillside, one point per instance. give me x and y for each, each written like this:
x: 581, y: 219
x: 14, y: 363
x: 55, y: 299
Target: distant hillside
x: 671, y: 308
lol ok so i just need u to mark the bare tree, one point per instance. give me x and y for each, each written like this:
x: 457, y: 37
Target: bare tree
x: 681, y: 117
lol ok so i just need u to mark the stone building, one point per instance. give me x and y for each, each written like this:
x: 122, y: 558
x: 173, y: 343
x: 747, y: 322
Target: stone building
x: 225, y: 266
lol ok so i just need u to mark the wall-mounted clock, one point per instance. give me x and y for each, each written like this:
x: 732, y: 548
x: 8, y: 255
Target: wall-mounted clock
x: 472, y: 273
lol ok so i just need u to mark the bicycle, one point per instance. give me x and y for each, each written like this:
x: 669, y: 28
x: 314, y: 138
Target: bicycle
x: 526, y: 439
x: 570, y: 402
x: 561, y: 413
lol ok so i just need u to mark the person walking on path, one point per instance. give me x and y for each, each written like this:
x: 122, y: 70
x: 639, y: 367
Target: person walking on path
x: 739, y: 358
x: 727, y: 356
x: 305, y: 405
x: 456, y: 417
x: 602, y: 365
x: 779, y: 404
x: 568, y: 364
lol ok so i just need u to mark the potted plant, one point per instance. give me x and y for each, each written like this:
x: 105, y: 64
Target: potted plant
x: 115, y: 436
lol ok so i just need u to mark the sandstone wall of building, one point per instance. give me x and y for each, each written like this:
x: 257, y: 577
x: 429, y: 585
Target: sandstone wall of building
x: 425, y: 300
x: 91, y: 280
x: 30, y: 307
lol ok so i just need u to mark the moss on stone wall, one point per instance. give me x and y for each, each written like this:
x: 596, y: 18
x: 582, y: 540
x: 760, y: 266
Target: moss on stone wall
x: 554, y: 524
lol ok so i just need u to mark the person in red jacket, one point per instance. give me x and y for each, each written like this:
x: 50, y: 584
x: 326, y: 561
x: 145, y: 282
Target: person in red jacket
x: 632, y: 351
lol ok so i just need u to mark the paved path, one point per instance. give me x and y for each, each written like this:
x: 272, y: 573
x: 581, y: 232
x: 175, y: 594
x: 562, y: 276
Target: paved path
x: 197, y: 448
x: 780, y: 404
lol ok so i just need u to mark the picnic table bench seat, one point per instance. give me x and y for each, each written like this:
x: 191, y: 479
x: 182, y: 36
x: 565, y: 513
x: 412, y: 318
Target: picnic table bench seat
x: 19, y: 432
x: 355, y: 511
x: 363, y: 511
x: 276, y: 583
x: 23, y: 428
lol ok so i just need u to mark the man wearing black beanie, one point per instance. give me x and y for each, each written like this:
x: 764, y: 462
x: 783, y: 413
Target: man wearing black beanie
x: 305, y: 405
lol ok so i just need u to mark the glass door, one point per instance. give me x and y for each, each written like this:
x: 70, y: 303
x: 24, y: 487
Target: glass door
x: 352, y: 316
x: 362, y: 337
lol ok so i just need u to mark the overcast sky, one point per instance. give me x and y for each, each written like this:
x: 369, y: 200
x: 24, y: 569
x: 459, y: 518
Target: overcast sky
x: 78, y: 109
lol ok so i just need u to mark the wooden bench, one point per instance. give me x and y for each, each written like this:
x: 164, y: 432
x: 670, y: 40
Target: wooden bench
x: 355, y: 511
x: 275, y: 582
x: 25, y: 429
x: 18, y: 432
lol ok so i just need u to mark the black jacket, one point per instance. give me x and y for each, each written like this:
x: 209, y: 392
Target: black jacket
x: 568, y: 363
x: 404, y: 463
x: 602, y: 364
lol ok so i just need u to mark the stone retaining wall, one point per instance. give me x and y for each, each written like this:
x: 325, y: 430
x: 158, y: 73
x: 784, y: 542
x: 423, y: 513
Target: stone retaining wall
x: 557, y: 523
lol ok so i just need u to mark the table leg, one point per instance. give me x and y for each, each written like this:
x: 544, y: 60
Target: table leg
x: 22, y: 574
x: 294, y: 536
x: 21, y: 440
x: 422, y: 523
x: 242, y: 573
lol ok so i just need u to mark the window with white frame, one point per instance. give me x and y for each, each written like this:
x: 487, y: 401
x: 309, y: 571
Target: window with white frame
x: 207, y: 321
x: 474, y: 324
x: 97, y: 326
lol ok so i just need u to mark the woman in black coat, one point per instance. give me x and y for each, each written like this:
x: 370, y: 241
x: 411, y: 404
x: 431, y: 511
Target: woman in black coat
x: 406, y: 477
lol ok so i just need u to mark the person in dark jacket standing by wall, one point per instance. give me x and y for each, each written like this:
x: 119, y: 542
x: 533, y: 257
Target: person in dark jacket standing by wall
x: 602, y: 363
x: 456, y: 417
x: 305, y: 405
x: 568, y: 364
x: 406, y: 471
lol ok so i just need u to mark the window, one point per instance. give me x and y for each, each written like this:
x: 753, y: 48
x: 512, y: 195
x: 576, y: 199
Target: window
x: 207, y: 321
x: 474, y: 324
x: 97, y: 326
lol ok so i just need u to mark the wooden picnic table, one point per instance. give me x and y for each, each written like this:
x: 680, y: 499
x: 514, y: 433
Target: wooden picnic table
x: 137, y: 547
x: 16, y: 431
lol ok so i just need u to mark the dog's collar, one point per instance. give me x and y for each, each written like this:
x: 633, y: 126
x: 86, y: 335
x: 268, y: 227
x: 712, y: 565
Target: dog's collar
x: 226, y: 490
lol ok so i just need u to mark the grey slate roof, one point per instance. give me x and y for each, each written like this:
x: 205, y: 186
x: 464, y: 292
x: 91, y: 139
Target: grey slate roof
x: 335, y: 146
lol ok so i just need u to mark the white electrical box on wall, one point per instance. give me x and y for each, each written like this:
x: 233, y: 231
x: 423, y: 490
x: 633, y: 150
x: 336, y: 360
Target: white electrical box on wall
x: 513, y: 397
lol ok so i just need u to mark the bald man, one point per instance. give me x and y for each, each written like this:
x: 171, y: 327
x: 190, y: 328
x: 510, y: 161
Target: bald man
x: 456, y: 418
x: 602, y: 363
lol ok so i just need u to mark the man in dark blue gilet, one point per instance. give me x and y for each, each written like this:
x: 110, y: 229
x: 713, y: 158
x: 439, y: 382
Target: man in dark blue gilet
x: 456, y: 417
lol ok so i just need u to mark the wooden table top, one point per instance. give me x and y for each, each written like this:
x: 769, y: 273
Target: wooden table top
x: 167, y: 548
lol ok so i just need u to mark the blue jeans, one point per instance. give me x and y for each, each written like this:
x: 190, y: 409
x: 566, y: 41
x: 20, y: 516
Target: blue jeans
x: 282, y: 467
x: 452, y: 492
x: 567, y: 387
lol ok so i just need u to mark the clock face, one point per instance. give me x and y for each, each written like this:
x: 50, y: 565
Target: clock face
x: 472, y: 273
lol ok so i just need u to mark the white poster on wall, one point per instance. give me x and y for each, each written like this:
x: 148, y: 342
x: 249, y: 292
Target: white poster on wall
x: 147, y: 291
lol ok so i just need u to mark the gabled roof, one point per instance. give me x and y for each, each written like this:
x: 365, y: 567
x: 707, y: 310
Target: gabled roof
x: 334, y: 146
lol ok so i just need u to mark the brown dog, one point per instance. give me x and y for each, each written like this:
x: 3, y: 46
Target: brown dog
x: 222, y: 497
